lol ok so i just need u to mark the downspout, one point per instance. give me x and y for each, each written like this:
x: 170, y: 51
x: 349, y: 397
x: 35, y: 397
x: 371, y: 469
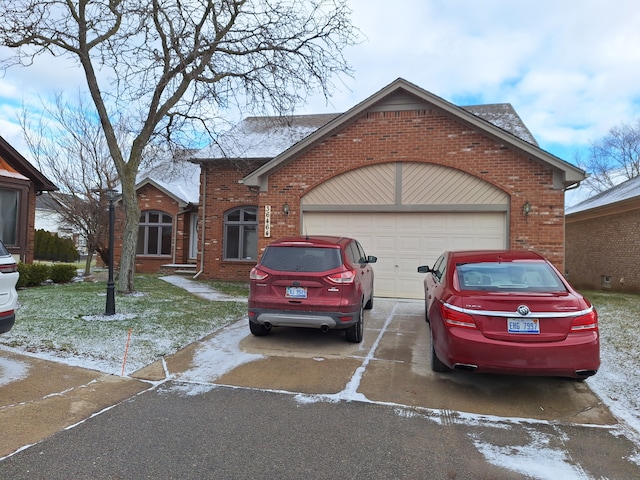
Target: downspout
x: 202, y: 217
x: 175, y: 239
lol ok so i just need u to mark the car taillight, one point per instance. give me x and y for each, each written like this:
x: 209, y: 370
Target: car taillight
x: 453, y: 318
x: 346, y: 276
x: 585, y: 323
x: 9, y: 268
x: 257, y: 274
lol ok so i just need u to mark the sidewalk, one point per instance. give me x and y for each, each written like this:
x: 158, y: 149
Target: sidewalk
x: 200, y: 289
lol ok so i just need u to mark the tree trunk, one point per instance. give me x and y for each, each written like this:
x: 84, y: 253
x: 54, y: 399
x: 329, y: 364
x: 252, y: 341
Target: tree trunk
x: 127, y: 265
x: 87, y: 263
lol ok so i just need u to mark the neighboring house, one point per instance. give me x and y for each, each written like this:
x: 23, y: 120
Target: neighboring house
x: 20, y: 183
x: 49, y: 220
x: 406, y: 172
x: 603, y: 239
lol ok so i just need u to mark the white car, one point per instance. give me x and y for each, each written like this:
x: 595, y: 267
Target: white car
x: 8, y: 295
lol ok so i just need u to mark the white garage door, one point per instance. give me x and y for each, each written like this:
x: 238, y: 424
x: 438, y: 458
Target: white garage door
x: 403, y: 241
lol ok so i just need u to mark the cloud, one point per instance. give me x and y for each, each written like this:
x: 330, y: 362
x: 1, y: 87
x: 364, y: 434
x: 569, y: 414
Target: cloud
x: 569, y: 68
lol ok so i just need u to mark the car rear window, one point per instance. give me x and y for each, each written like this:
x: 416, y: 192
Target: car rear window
x: 509, y: 277
x: 301, y: 259
x: 3, y: 251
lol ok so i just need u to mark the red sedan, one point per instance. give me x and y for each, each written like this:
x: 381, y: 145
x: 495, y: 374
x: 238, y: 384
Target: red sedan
x: 508, y: 312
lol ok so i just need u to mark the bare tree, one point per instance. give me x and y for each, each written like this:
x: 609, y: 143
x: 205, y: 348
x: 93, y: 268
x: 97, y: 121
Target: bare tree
x: 66, y: 141
x: 170, y: 66
x: 613, y: 158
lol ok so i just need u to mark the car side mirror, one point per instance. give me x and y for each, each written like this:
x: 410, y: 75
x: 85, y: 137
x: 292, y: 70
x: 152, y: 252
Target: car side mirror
x: 372, y: 259
x: 424, y: 269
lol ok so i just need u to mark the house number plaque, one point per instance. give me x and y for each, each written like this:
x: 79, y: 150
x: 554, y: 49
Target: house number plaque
x: 267, y: 221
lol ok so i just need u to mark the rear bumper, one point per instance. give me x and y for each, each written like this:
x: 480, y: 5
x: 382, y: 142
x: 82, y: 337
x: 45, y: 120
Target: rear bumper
x: 6, y: 322
x: 577, y: 356
x: 309, y: 319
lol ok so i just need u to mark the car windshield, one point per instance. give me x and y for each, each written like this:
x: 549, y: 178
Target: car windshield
x: 509, y: 277
x: 301, y: 259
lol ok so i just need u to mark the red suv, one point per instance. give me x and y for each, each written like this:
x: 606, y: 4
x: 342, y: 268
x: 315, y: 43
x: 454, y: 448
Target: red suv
x: 318, y: 282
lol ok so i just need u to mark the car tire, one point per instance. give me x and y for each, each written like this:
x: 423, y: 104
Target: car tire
x: 426, y: 312
x: 436, y: 363
x: 355, y: 332
x: 369, y: 304
x: 258, y: 330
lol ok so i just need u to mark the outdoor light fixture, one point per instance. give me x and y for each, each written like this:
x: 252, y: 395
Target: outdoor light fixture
x: 526, y: 208
x: 285, y: 208
x: 111, y: 299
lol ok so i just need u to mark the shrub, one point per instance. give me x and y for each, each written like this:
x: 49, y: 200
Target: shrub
x: 48, y: 246
x: 32, y: 274
x: 62, y: 272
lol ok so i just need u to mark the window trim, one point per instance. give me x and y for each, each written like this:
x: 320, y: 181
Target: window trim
x: 21, y: 234
x: 161, y: 226
x: 241, y: 224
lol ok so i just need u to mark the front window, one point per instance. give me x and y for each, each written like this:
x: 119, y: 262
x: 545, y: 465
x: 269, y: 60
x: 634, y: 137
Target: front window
x: 241, y: 234
x: 509, y: 277
x: 9, y: 216
x: 154, y: 233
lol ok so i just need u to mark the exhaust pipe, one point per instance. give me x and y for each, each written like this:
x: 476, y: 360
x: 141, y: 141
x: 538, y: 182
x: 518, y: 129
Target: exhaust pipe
x: 585, y: 373
x: 465, y: 366
x: 324, y: 328
x: 267, y: 325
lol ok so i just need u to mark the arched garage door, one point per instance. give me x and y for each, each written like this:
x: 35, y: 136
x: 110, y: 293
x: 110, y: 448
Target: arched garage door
x: 407, y: 215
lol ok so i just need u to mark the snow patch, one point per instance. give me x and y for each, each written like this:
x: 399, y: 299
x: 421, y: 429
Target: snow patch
x: 118, y: 317
x: 220, y: 354
x: 12, y: 370
x: 535, y: 460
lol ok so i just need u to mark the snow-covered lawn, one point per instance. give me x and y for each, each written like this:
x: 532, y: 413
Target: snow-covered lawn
x: 617, y: 383
x: 66, y: 323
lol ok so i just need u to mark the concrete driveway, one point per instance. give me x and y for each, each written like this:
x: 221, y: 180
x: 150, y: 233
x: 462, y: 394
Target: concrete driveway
x: 391, y: 365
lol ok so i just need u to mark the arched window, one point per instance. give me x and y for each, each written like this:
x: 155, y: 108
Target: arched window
x: 154, y: 233
x: 241, y: 234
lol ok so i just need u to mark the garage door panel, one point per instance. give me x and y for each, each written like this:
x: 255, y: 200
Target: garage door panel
x: 402, y: 241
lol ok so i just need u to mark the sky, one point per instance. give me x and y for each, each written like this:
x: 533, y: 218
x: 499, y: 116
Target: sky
x: 570, y: 68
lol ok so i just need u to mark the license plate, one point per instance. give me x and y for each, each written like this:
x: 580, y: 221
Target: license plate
x: 296, y: 292
x: 520, y: 325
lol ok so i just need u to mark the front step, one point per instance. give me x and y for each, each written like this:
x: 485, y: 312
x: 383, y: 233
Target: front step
x: 186, y: 269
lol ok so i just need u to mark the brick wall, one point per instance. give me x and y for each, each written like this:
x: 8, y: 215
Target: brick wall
x: 151, y: 198
x: 31, y: 228
x: 220, y: 192
x: 604, y: 246
x: 378, y: 137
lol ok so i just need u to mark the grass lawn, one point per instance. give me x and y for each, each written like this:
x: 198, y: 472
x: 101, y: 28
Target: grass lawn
x: 67, y: 322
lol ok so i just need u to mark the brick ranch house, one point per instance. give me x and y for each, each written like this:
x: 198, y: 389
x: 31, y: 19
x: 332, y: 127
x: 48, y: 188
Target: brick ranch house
x: 406, y: 172
x: 20, y: 183
x: 603, y: 239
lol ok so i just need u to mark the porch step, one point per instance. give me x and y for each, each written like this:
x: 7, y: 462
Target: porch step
x: 186, y: 269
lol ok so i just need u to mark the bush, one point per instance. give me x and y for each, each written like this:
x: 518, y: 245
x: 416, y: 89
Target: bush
x: 32, y: 274
x: 48, y: 246
x: 62, y: 272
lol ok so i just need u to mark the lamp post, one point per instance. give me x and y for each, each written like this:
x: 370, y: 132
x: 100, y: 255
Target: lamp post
x: 111, y: 299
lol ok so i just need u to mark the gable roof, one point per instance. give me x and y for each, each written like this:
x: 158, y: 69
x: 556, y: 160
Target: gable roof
x: 617, y: 196
x: 263, y: 137
x: 178, y: 179
x: 508, y: 129
x: 21, y: 166
x: 504, y: 116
